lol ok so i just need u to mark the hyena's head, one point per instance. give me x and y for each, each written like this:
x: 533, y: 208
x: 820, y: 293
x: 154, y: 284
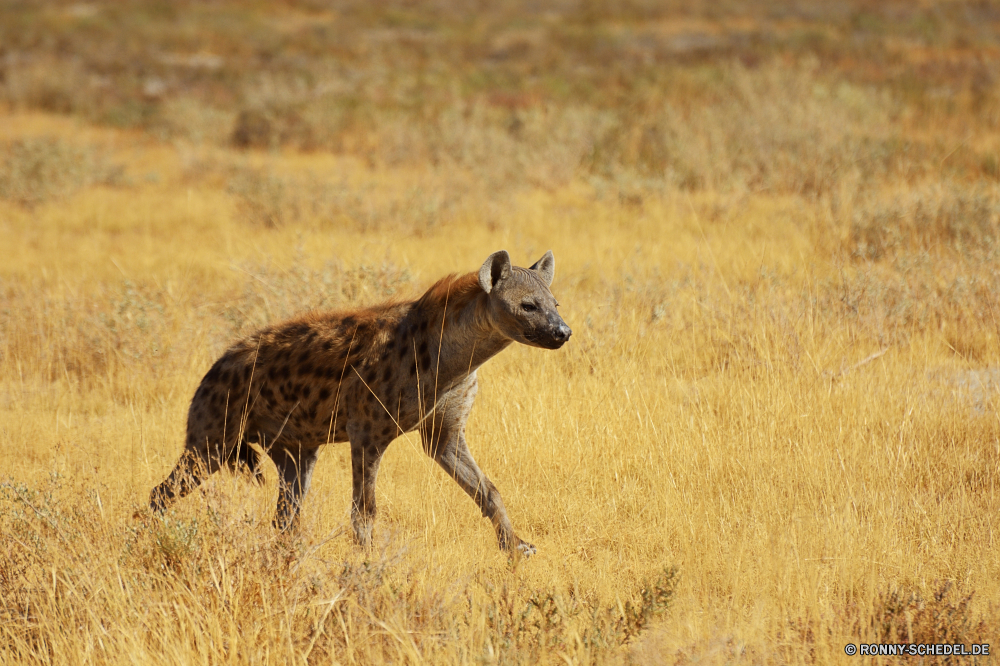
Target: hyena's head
x: 521, y: 307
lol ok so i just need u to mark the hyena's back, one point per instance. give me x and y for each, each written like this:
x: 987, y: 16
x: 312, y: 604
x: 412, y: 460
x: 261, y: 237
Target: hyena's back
x: 293, y: 382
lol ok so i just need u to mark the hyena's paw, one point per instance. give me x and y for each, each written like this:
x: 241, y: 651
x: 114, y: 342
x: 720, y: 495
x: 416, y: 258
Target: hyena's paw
x: 363, y: 532
x: 525, y: 549
x: 514, y: 545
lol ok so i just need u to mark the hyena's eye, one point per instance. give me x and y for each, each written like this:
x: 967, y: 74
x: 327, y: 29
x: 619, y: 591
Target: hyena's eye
x: 528, y: 307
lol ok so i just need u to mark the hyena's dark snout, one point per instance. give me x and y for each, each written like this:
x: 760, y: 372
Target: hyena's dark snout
x: 561, y: 333
x: 557, y: 334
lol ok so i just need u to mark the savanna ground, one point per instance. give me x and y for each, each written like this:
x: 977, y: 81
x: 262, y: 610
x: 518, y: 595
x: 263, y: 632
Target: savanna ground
x: 774, y: 431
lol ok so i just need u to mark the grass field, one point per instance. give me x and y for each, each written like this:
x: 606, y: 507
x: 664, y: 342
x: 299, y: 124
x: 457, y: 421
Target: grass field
x: 774, y: 431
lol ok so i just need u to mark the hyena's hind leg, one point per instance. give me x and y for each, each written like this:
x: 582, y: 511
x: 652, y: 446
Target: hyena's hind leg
x: 245, y: 458
x: 199, y: 460
x: 196, y: 463
x: 295, y: 463
x: 187, y: 475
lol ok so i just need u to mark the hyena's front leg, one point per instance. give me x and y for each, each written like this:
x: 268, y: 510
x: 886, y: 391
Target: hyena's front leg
x: 448, y: 448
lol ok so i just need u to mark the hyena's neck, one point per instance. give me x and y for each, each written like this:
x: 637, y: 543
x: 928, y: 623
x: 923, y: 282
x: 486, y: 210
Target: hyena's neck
x: 460, y: 339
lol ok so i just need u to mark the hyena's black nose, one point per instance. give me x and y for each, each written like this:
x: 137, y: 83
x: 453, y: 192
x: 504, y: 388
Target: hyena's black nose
x: 562, y: 333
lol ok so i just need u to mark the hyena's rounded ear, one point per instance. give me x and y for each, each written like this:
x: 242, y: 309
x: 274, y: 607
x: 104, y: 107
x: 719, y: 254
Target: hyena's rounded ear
x: 545, y: 267
x: 495, y: 268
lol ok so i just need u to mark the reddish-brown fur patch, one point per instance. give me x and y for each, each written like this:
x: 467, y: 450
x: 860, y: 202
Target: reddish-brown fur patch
x: 453, y: 292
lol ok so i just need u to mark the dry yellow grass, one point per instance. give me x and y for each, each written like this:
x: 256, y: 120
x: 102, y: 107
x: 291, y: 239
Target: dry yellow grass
x: 774, y: 431
x: 707, y: 416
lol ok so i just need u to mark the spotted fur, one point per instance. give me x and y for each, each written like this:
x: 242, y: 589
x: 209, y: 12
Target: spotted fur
x: 365, y: 377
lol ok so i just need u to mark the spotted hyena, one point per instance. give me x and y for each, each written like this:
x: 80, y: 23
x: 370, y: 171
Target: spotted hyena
x: 367, y: 376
